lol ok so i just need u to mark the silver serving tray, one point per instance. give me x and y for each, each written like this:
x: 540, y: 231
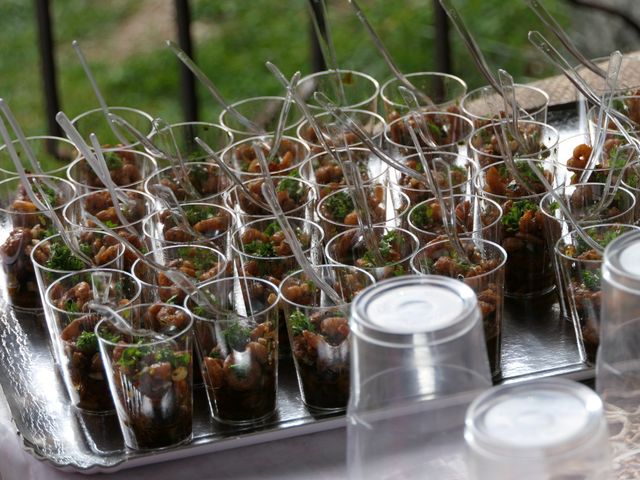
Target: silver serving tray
x: 536, y: 343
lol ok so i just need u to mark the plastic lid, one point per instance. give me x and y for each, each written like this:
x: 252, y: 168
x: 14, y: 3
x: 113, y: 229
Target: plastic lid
x: 621, y: 266
x: 394, y: 310
x: 534, y: 419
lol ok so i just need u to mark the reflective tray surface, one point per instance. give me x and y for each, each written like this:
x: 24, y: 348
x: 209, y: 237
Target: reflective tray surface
x: 536, y: 343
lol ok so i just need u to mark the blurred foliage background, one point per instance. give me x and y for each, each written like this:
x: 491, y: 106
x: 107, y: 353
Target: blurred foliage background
x: 124, y: 42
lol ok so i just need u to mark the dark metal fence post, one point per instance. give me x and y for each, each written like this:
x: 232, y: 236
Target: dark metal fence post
x: 48, y: 65
x: 443, y: 42
x: 317, y: 60
x: 188, y: 94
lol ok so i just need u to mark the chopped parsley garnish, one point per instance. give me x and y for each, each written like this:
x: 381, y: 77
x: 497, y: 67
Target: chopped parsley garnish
x: 259, y: 248
x: 196, y: 213
x: 422, y: 215
x: 62, y: 259
x: 132, y: 355
x: 294, y: 188
x: 387, y: 241
x: 435, y: 129
x: 272, y: 228
x: 49, y: 193
x: 175, y: 359
x: 114, y: 162
x: 591, y: 280
x: 339, y: 205
x: 72, y: 307
x: 300, y: 322
x: 553, y: 206
x: 87, y: 342
x: 110, y: 224
x: 237, y: 336
x: 511, y: 219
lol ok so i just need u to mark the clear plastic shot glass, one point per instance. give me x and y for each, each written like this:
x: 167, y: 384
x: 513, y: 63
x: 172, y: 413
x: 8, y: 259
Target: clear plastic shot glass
x: 418, y: 358
x: 545, y: 429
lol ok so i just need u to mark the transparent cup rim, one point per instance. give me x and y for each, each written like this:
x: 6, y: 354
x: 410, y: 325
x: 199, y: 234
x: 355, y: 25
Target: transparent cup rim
x: 357, y: 73
x: 141, y: 221
x: 129, y: 186
x: 242, y: 279
x: 322, y: 267
x: 238, y: 231
x: 521, y: 86
x: 221, y: 258
x: 563, y: 241
x: 216, y: 126
x: 470, y: 162
x: 487, y: 243
x: 262, y: 98
x: 386, y: 85
x: 45, y: 138
x: 307, y: 165
x: 41, y: 243
x: 229, y: 151
x: 117, y: 108
x: 495, y: 205
x: 546, y: 148
x: 18, y: 180
x: 405, y: 233
x: 174, y: 336
x: 406, y: 201
x: 544, y: 202
x: 47, y: 296
x: 161, y: 173
x: 463, y: 138
x: 305, y: 123
x: 502, y: 198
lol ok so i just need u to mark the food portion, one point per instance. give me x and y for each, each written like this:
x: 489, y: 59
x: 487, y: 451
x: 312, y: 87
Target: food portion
x: 486, y: 146
x: 439, y: 131
x: 153, y: 379
x: 292, y: 193
x: 242, y: 157
x: 418, y: 191
x: 482, y: 271
x: 206, y: 180
x: 126, y: 169
x: 210, y: 225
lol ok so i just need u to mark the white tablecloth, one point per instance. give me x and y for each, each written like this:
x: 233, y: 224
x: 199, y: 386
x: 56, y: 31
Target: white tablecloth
x: 320, y: 456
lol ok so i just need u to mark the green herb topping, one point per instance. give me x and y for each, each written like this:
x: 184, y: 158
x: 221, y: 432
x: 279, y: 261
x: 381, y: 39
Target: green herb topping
x: 300, y: 322
x: 511, y: 219
x: 62, y: 259
x: 237, y: 336
x: 339, y: 205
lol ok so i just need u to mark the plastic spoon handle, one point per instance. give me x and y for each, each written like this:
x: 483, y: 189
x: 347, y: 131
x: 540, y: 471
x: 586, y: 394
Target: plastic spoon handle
x: 510, y: 102
x: 211, y: 88
x: 282, y: 119
x: 382, y: 50
x: 269, y: 193
x: 561, y: 35
x: 326, y: 44
x: 565, y: 210
x: 96, y: 90
x: 414, y: 109
x: 167, y: 197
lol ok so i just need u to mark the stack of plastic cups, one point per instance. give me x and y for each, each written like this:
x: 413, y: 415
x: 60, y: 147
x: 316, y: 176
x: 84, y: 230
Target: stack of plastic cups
x: 418, y: 359
x: 542, y: 430
x: 618, y: 362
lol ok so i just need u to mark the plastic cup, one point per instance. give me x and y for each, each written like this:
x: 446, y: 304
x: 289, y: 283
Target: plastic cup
x: 238, y: 348
x: 184, y: 134
x: 213, y: 222
x: 445, y: 91
x: 21, y: 223
x: 580, y: 267
x: 209, y: 183
x: 295, y: 196
x: 476, y: 217
x: 94, y: 121
x: 260, y: 248
x: 150, y: 373
x: 263, y: 111
x: 551, y: 428
x: 485, y: 149
x: 360, y: 90
x: 241, y: 157
x: 462, y: 168
x: 396, y: 247
x: 418, y: 358
x: 127, y: 169
x: 199, y: 262
x: 481, y: 104
x: 485, y: 277
x: 53, y: 153
x: 529, y: 270
x: 319, y: 333
x: 337, y: 212
x: 71, y: 327
x: 371, y: 123
x: 449, y: 132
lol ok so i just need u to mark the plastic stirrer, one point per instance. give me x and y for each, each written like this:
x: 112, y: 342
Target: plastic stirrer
x: 211, y: 88
x: 323, y: 36
x: 510, y: 102
x: 167, y: 197
x: 269, y: 193
x: 561, y: 35
x: 41, y: 202
x: 414, y: 109
x: 96, y: 90
x: 382, y: 50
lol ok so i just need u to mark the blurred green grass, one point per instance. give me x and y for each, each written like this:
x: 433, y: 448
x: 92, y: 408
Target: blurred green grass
x: 233, y: 40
